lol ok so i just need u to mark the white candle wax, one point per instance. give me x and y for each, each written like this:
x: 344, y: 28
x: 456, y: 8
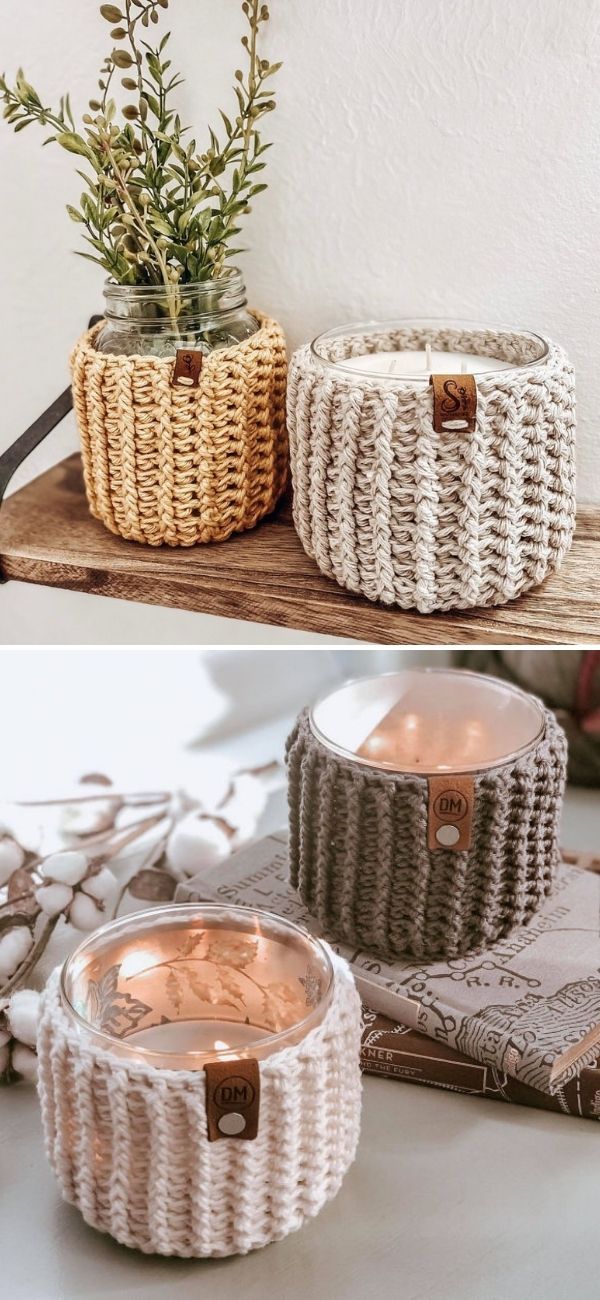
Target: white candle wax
x: 425, y: 362
x: 196, y: 1036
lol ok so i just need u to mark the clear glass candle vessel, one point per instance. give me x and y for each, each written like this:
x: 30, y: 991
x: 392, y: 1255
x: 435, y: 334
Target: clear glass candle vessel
x: 409, y: 351
x: 157, y: 320
x: 176, y: 987
x: 429, y: 720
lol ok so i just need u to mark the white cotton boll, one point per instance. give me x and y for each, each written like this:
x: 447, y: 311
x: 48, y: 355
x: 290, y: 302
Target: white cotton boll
x: 53, y: 898
x: 14, y: 947
x: 84, y: 914
x: 100, y: 886
x: 197, y: 842
x: 23, y: 1013
x: 4, y: 1059
x: 25, y: 1062
x: 68, y: 868
x: 12, y: 856
x: 246, y: 804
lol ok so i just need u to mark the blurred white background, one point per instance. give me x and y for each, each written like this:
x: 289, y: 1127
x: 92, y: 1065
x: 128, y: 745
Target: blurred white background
x: 430, y: 159
x: 156, y: 718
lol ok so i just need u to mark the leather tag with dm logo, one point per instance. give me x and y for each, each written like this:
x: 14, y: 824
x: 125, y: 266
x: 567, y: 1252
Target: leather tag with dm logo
x: 450, y: 812
x: 454, y: 403
x: 232, y: 1099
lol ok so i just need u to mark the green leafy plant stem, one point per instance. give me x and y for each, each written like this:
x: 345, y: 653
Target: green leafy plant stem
x: 156, y: 209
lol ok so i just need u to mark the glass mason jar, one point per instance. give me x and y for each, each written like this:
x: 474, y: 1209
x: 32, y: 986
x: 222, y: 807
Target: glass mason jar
x: 156, y: 320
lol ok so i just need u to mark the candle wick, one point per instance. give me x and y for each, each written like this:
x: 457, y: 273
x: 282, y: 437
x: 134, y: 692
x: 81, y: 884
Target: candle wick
x: 392, y: 366
x: 463, y: 367
x: 428, y: 356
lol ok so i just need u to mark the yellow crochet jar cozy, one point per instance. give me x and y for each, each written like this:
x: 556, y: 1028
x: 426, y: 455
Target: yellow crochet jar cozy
x: 167, y: 464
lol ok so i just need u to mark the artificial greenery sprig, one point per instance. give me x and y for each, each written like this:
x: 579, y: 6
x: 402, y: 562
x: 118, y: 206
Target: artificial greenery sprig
x: 156, y: 211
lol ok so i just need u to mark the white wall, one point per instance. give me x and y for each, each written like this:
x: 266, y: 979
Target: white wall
x: 432, y: 157
x: 147, y: 717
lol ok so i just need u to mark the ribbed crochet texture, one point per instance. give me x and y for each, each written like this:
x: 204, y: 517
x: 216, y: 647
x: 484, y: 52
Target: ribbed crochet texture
x: 179, y: 466
x: 359, y: 856
x: 430, y: 521
x: 128, y: 1142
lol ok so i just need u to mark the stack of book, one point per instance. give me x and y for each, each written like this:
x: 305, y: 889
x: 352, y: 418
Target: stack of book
x: 518, y: 1022
x: 400, y: 1053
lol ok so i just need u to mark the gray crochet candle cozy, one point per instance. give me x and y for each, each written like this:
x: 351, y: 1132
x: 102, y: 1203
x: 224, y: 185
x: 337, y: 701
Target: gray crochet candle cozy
x: 359, y: 856
x: 426, y: 519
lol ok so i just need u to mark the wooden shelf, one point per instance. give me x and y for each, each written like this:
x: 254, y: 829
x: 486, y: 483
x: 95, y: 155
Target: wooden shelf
x: 47, y: 536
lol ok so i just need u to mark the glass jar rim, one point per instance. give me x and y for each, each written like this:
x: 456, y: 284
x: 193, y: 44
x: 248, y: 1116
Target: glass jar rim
x: 277, y: 1041
x: 230, y: 278
x: 415, y: 322
x: 422, y: 670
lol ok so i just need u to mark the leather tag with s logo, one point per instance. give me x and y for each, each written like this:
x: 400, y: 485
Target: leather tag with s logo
x: 454, y: 403
x: 188, y: 365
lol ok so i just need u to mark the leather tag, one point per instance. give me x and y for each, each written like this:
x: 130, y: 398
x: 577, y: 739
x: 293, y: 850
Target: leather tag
x: 454, y: 403
x: 232, y: 1099
x: 188, y: 365
x: 450, y: 813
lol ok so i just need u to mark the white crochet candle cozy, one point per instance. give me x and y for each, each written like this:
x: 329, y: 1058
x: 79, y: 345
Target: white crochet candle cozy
x: 433, y: 462
x: 199, y: 1078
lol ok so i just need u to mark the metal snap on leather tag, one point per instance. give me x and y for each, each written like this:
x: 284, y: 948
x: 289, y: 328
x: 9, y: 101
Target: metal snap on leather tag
x: 450, y: 813
x: 454, y: 403
x: 232, y: 1099
x: 188, y: 365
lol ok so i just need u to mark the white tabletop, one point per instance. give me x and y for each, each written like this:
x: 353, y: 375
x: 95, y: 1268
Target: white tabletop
x: 450, y: 1198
